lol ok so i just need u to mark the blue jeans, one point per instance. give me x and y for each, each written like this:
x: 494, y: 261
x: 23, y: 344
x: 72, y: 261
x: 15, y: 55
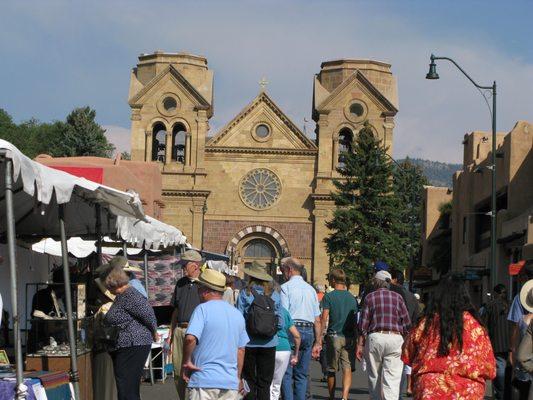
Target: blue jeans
x: 294, y: 384
x: 498, y: 383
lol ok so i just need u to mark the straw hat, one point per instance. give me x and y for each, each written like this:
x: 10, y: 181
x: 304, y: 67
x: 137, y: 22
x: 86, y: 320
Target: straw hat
x: 258, y: 271
x: 213, y: 280
x: 104, y: 290
x: 526, y: 295
x: 118, y: 262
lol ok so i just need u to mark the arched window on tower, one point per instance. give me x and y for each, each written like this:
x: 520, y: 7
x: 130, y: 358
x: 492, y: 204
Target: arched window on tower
x: 159, y: 142
x: 178, y: 143
x: 345, y: 145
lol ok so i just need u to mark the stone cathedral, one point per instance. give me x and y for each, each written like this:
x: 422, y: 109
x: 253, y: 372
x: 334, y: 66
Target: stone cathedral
x: 258, y: 189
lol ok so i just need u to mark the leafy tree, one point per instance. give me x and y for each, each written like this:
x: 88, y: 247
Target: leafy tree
x: 367, y: 222
x: 408, y: 183
x: 125, y: 155
x: 82, y: 136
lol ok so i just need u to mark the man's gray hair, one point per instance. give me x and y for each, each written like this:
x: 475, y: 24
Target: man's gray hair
x: 292, y: 263
x: 376, y: 284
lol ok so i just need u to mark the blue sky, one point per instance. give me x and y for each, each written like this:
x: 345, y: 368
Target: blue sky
x: 57, y: 55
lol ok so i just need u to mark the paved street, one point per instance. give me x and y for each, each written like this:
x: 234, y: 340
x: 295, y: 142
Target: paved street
x: 319, y: 390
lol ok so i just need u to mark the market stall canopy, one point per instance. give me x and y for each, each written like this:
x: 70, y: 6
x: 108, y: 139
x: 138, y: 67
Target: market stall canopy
x: 78, y: 247
x: 150, y: 234
x: 38, y: 189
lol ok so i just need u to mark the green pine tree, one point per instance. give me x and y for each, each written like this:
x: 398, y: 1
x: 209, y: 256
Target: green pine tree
x: 367, y: 221
x: 408, y: 184
x: 82, y: 136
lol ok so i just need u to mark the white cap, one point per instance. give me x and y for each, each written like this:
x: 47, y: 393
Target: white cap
x: 383, y: 276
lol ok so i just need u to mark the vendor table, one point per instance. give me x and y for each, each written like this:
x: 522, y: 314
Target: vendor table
x: 62, y: 363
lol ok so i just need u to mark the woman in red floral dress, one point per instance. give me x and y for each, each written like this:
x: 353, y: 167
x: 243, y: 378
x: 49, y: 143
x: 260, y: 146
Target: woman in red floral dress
x: 449, y: 350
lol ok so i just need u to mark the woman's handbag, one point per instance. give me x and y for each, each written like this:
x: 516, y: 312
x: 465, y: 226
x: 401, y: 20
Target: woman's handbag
x: 109, y: 335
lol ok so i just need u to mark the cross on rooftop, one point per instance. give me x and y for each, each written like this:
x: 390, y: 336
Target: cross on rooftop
x: 263, y: 83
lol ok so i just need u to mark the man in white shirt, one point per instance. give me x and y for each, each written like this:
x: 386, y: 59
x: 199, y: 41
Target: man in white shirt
x: 300, y: 299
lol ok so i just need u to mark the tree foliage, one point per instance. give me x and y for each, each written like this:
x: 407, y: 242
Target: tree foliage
x: 78, y: 135
x: 368, y: 222
x: 408, y: 183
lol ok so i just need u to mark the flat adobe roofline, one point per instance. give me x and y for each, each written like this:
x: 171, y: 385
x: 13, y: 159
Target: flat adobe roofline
x: 159, y: 54
x: 332, y: 63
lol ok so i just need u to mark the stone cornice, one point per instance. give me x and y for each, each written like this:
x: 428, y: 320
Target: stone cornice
x: 321, y: 197
x: 186, y: 193
x: 258, y: 150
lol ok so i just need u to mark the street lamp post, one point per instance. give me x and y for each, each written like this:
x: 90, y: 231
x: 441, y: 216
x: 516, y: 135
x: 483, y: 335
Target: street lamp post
x: 432, y: 74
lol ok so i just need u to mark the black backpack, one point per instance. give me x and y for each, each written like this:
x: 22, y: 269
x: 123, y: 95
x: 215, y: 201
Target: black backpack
x: 261, y: 321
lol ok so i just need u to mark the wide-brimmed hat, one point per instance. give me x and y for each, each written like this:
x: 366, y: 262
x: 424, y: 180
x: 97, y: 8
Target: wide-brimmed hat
x: 258, y: 271
x: 104, y: 290
x: 117, y: 262
x: 190, y: 256
x: 526, y: 295
x: 213, y: 280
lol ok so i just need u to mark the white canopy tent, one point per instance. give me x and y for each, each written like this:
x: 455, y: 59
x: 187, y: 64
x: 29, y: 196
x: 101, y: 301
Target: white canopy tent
x: 150, y: 233
x: 78, y: 247
x: 41, y: 202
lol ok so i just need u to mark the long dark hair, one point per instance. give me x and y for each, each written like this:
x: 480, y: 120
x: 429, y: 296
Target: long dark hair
x: 449, y: 303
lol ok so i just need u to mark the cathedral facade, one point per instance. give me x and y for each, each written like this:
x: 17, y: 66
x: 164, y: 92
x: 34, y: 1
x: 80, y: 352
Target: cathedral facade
x: 259, y: 188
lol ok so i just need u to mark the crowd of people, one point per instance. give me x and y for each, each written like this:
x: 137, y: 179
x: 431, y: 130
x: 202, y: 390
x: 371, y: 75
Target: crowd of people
x: 258, y: 341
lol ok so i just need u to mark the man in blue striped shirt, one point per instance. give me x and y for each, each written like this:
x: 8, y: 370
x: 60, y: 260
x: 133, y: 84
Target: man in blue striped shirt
x: 300, y: 299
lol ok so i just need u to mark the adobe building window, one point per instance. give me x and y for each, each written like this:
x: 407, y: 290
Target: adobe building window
x: 356, y: 110
x: 345, y: 145
x: 170, y: 104
x: 261, y: 132
x: 178, y: 143
x: 159, y: 142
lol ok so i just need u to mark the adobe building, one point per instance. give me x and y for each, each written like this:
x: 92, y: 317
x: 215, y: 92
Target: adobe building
x: 144, y: 178
x: 436, y: 225
x: 471, y: 206
x: 258, y: 188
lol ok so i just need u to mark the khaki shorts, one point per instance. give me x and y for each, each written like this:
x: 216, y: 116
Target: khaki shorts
x: 340, y: 353
x: 212, y: 394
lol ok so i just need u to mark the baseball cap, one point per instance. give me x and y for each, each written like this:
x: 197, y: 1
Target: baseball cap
x: 190, y: 255
x: 381, y: 266
x: 383, y: 276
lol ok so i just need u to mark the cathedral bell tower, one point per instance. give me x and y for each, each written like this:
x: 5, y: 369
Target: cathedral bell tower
x: 171, y: 100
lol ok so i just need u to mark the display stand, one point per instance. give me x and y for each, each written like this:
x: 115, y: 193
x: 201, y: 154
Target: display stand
x: 62, y: 363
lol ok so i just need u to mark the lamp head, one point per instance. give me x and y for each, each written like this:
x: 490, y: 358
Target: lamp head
x: 432, y: 74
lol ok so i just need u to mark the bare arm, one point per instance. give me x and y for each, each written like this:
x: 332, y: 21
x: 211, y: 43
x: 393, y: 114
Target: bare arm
x: 318, y: 331
x: 297, y: 339
x: 240, y: 361
x: 188, y: 367
x: 323, y: 323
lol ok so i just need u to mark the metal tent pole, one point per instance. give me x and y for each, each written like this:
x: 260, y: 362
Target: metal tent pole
x: 146, y: 272
x: 98, y: 210
x: 74, y: 376
x: 20, y: 394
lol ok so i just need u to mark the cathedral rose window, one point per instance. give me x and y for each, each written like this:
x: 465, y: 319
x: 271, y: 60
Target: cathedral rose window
x: 260, y: 189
